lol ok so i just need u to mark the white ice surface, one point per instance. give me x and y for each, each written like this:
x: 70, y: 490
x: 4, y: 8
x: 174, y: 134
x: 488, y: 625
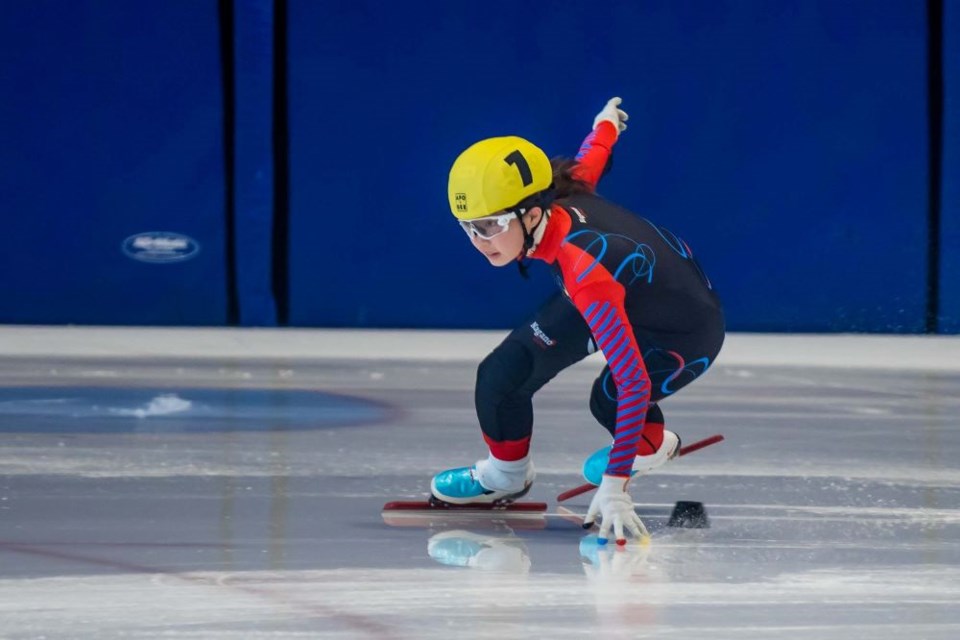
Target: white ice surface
x: 834, y: 502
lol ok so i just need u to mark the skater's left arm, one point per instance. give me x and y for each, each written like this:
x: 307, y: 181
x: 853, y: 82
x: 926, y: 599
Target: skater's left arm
x: 593, y: 158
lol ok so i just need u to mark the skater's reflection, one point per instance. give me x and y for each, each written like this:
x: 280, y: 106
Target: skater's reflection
x: 505, y: 552
x: 461, y: 548
x: 605, y: 562
x: 625, y: 584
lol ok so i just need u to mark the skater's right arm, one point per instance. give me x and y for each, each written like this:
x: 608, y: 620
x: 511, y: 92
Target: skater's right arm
x: 600, y: 299
x: 601, y: 303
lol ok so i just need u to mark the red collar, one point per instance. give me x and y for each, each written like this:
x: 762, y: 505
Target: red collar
x: 558, y: 226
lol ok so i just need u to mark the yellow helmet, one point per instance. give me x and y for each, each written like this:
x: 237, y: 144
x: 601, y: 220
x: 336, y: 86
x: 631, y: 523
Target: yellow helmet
x: 496, y: 174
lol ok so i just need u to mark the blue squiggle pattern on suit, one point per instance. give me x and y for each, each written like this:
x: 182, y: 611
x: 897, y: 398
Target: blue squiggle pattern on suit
x: 600, y: 240
x: 675, y: 243
x: 639, y: 263
x: 681, y: 248
x: 694, y: 369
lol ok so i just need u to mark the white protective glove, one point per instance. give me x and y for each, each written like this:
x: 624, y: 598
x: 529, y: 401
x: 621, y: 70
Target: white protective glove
x: 615, y: 508
x: 612, y: 114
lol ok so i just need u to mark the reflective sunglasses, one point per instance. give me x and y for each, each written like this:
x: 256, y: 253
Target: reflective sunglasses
x: 490, y: 227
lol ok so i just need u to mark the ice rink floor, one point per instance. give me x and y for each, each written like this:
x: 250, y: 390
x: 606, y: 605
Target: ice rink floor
x: 229, y: 484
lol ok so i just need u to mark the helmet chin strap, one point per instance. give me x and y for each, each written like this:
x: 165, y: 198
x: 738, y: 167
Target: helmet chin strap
x: 527, y: 245
x: 531, y: 238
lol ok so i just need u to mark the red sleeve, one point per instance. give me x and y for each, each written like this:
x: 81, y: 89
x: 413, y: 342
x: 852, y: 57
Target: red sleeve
x: 601, y: 304
x: 595, y: 152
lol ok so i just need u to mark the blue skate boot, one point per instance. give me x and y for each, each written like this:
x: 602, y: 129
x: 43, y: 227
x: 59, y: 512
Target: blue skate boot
x: 595, y: 465
x: 489, y: 481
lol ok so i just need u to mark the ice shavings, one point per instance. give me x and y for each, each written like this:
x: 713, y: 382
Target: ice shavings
x: 163, y: 405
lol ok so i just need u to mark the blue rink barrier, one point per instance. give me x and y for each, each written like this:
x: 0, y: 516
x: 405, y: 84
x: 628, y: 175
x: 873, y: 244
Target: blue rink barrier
x: 147, y: 178
x: 253, y: 184
x: 112, y: 163
x: 786, y: 142
x: 949, y: 312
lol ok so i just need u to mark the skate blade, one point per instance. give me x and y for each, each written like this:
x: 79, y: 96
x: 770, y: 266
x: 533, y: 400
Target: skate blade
x: 437, y: 515
x: 482, y: 507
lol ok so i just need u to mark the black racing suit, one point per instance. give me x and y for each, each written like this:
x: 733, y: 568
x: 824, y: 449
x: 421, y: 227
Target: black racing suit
x: 629, y: 287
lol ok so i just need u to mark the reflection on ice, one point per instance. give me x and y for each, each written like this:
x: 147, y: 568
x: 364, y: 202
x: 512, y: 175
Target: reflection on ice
x: 460, y: 548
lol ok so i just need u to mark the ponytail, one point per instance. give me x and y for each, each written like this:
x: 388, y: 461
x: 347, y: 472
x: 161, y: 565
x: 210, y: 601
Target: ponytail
x: 565, y: 181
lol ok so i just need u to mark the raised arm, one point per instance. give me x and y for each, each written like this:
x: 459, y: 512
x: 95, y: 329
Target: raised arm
x: 594, y: 154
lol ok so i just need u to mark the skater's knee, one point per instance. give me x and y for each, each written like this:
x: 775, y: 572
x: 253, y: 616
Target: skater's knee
x: 655, y: 414
x: 504, y: 371
x: 603, y: 407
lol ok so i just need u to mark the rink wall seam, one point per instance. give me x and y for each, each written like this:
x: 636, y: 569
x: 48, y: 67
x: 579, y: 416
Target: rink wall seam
x: 914, y: 353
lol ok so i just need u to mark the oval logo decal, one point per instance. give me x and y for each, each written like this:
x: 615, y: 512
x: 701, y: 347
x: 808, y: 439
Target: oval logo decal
x: 161, y: 246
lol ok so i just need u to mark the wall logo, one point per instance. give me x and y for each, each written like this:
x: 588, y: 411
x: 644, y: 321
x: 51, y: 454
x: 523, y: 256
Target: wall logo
x: 161, y: 246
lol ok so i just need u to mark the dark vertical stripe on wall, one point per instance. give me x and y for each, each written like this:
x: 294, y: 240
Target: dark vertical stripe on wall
x: 253, y: 32
x: 935, y: 114
x: 229, y: 118
x: 281, y: 161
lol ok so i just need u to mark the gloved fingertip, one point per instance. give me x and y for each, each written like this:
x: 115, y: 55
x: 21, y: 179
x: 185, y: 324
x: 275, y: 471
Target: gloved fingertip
x: 602, y: 541
x: 621, y: 542
x: 587, y: 525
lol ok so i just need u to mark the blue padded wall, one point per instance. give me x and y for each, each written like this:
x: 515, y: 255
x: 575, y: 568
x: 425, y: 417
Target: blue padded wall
x: 950, y: 192
x: 253, y: 30
x: 112, y: 130
x: 785, y: 141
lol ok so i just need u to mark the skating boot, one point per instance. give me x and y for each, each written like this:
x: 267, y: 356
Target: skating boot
x: 595, y: 466
x: 489, y: 481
